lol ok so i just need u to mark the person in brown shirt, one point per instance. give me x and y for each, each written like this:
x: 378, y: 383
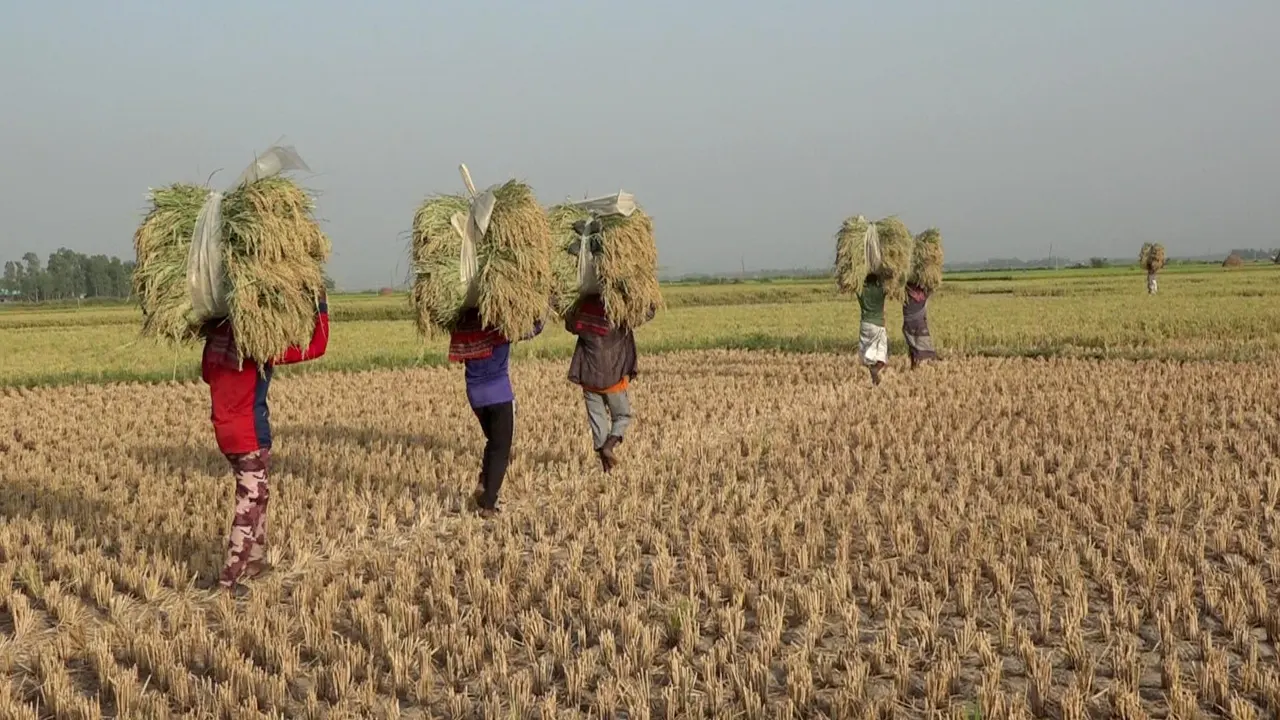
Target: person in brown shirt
x: 604, y: 364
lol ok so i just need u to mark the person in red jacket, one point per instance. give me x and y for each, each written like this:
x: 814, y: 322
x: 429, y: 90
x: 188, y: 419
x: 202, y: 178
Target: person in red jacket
x: 242, y: 426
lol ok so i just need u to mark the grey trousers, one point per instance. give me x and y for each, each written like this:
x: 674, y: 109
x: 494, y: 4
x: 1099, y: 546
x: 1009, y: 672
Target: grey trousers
x: 608, y: 415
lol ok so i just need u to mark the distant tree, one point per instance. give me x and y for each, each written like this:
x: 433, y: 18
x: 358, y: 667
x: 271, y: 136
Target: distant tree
x: 67, y: 275
x: 1097, y: 262
x: 96, y: 271
x: 12, y: 282
x: 1233, y: 260
x: 329, y: 284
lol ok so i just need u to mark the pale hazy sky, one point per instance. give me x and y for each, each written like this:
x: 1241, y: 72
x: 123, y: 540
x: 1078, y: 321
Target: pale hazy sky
x: 749, y: 129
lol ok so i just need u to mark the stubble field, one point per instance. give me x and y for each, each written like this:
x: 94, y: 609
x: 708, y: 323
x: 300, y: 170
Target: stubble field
x: 990, y: 537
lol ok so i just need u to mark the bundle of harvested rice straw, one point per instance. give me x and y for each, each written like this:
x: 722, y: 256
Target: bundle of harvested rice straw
x: 618, y: 261
x: 926, y: 261
x: 271, y: 252
x: 511, y: 284
x: 888, y: 257
x: 1151, y: 257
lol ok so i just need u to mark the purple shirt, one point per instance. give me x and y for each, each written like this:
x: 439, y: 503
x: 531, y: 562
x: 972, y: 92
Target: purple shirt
x: 488, y: 382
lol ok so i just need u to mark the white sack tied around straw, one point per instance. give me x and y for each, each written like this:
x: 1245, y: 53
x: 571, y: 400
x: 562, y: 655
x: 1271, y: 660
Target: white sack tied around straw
x: 620, y: 203
x: 871, y: 245
x: 205, y: 274
x: 471, y: 227
x: 588, y: 236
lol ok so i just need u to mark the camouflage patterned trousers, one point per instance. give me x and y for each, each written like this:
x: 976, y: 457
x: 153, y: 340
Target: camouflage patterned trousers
x: 247, y: 544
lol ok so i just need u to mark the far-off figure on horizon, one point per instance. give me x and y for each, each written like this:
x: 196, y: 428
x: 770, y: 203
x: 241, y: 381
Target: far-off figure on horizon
x: 1152, y: 259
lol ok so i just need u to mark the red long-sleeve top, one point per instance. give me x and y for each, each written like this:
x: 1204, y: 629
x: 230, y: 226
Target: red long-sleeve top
x: 238, y: 392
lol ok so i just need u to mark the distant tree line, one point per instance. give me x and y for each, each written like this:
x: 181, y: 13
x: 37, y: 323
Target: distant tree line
x: 68, y: 275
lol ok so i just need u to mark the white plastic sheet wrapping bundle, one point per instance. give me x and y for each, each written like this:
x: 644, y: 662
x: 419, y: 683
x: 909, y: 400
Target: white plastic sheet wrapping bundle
x: 588, y: 279
x: 872, y: 247
x: 206, y: 277
x: 471, y: 227
x: 620, y: 203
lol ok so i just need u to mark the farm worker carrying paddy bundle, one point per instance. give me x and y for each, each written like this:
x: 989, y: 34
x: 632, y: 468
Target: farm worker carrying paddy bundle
x: 244, y: 272
x: 925, y: 278
x: 872, y: 263
x: 486, y: 353
x: 482, y: 275
x: 606, y: 268
x: 1152, y: 259
x: 242, y: 424
x: 873, y: 338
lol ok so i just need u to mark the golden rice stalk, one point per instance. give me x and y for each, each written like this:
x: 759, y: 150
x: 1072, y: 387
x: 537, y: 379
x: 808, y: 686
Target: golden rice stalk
x: 515, y: 270
x: 851, y: 255
x: 514, y: 278
x: 273, y: 253
x: 160, y: 245
x: 437, y: 295
x: 628, y: 269
x: 926, y: 261
x: 895, y: 251
x: 564, y: 265
x: 1152, y: 257
x: 626, y: 266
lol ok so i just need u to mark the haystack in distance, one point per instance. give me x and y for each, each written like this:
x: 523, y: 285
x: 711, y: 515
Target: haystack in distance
x: 270, y: 256
x: 490, y: 251
x: 605, y: 246
x: 882, y: 249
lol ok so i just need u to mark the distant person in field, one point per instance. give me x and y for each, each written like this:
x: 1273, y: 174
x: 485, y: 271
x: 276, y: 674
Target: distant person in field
x: 915, y: 326
x: 604, y: 364
x: 873, y: 339
x: 486, y: 355
x: 1151, y: 282
x: 242, y: 426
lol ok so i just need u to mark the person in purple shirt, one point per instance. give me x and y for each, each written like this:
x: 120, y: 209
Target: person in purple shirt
x: 486, y: 356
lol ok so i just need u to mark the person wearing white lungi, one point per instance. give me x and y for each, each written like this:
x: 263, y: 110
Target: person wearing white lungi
x: 1151, y: 283
x: 873, y: 338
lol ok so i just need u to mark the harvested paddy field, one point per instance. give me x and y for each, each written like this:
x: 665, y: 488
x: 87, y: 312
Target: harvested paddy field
x: 1003, y: 537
